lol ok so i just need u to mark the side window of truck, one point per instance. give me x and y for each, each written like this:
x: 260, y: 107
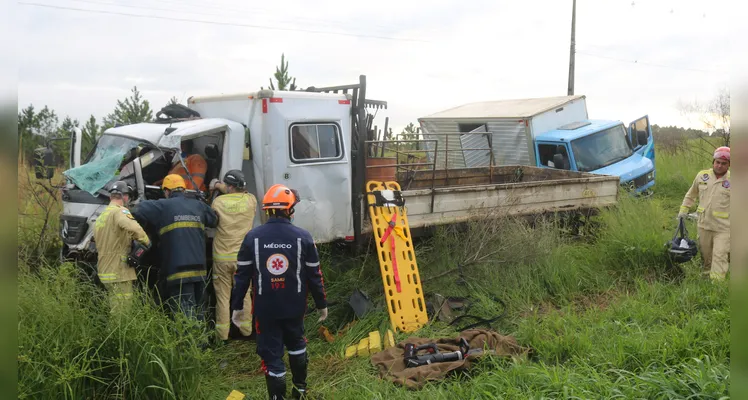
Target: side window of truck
x: 315, y: 142
x: 546, y: 153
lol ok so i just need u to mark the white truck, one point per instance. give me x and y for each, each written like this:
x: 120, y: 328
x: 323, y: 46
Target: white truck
x: 319, y: 142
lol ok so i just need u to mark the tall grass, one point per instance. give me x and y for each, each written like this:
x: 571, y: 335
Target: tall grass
x: 72, y: 347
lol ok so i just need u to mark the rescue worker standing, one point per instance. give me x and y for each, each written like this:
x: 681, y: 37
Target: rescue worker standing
x: 712, y: 189
x: 114, y: 232
x: 180, y: 222
x: 236, y: 212
x: 282, y: 263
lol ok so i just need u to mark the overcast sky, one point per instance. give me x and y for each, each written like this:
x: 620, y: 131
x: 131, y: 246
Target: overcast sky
x: 634, y: 57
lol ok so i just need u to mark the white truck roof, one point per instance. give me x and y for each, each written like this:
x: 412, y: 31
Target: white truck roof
x: 154, y: 132
x: 267, y: 93
x: 517, y: 108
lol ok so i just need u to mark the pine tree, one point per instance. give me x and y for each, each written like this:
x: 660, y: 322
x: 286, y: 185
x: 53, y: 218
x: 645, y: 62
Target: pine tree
x: 132, y: 110
x: 285, y: 82
x: 91, y: 132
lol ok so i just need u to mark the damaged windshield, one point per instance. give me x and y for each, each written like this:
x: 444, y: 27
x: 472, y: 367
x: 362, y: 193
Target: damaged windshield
x: 601, y: 149
x: 112, y: 152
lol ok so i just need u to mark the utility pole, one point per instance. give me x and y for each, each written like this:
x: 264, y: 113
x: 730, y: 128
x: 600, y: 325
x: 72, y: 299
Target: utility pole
x: 570, y: 90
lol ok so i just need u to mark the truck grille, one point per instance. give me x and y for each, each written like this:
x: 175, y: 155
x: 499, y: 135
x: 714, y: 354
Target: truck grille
x: 73, y: 229
x: 636, y: 183
x: 640, y: 181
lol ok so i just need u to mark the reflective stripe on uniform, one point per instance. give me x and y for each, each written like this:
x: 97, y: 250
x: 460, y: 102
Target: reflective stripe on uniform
x: 107, y: 277
x: 244, y: 262
x: 225, y: 257
x: 257, y: 261
x: 721, y: 214
x: 298, y: 265
x: 185, y: 274
x: 178, y: 225
x: 297, y: 352
x: 219, y: 326
x: 700, y: 209
x: 316, y: 264
x: 684, y: 209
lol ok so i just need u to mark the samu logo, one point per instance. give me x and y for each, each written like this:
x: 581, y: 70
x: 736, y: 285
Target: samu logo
x: 277, y: 264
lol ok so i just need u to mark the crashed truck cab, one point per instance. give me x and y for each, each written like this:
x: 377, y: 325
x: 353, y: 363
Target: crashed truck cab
x: 141, y: 155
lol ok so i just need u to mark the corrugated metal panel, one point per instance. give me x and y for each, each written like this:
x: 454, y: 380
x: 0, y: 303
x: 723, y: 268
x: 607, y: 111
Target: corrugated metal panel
x: 510, y: 145
x: 435, y: 130
x: 509, y: 142
x: 476, y: 139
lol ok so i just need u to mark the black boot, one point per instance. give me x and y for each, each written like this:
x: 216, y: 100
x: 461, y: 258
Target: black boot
x: 276, y: 387
x: 298, y: 370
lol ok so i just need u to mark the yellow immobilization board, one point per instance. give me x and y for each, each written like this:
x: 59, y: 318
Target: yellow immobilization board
x: 397, y: 259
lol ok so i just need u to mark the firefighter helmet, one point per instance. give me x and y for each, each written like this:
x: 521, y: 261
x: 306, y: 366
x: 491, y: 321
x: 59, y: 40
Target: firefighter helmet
x: 280, y: 197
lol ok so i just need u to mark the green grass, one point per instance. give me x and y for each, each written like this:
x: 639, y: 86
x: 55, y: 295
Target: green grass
x: 606, y: 316
x: 70, y: 347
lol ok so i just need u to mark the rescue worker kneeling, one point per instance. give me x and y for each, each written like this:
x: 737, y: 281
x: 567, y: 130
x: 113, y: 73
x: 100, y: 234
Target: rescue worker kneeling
x: 180, y: 222
x: 236, y: 213
x: 114, y: 232
x: 282, y: 263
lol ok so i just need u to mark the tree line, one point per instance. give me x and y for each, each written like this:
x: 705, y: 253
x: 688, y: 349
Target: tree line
x: 40, y: 127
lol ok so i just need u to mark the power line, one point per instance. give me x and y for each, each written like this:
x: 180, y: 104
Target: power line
x: 198, y: 6
x: 648, y: 64
x: 222, y: 23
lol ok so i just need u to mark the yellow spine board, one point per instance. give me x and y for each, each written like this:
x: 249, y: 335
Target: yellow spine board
x: 407, y: 308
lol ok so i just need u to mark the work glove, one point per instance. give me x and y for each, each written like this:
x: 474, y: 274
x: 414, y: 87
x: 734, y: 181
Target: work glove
x: 236, y: 317
x: 322, y: 314
x: 212, y: 185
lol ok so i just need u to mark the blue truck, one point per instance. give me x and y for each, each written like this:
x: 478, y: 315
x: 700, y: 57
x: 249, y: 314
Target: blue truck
x: 548, y: 132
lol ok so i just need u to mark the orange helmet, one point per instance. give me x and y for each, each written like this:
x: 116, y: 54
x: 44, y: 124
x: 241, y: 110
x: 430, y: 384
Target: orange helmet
x: 280, y: 197
x: 172, y: 182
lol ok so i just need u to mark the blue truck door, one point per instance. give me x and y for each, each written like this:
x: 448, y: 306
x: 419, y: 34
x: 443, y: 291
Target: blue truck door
x: 640, y: 137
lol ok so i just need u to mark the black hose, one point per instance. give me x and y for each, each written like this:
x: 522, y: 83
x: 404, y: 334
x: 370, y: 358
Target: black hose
x: 481, y: 321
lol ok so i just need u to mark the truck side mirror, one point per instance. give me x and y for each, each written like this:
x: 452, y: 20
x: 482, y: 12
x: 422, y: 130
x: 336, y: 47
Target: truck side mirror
x: 44, y: 163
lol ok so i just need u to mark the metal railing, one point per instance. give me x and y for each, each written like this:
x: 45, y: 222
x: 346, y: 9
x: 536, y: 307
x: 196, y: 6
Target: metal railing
x: 379, y: 148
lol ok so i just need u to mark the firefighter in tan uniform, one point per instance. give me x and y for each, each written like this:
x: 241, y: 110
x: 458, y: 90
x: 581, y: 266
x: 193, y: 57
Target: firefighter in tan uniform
x: 236, y: 212
x: 712, y: 189
x: 114, y: 232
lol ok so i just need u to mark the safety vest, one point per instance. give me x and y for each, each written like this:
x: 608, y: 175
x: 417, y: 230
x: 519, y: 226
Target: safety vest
x: 114, y: 231
x: 236, y: 213
x: 713, y: 196
x: 197, y: 167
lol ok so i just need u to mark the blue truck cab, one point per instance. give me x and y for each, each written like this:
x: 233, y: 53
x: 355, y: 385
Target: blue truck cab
x: 602, y: 147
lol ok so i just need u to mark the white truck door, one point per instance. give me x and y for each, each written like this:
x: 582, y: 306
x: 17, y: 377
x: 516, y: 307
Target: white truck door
x: 310, y: 142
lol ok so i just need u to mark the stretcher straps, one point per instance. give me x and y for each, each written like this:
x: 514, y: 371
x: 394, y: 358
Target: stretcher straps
x: 390, y: 233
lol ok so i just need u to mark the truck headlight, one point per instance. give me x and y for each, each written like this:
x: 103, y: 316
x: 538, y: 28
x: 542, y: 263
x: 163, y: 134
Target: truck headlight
x: 650, y: 176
